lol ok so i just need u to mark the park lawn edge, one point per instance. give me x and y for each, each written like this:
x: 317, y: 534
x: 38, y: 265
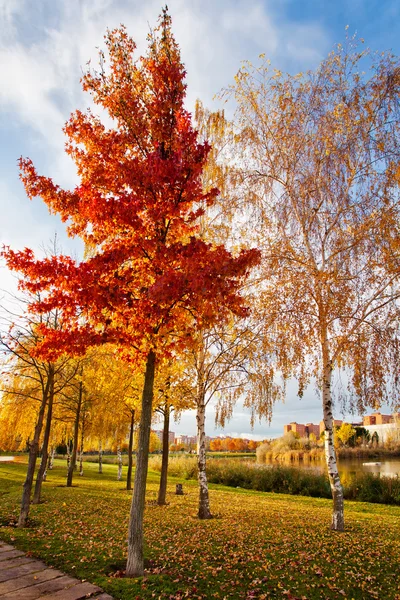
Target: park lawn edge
x: 48, y: 542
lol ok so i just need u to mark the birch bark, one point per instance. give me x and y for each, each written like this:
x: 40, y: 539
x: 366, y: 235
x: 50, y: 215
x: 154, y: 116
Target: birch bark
x: 119, y: 462
x: 100, y: 458
x: 130, y: 452
x: 204, y: 501
x: 330, y: 453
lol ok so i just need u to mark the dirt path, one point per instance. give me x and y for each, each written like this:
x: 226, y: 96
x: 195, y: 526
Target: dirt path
x: 23, y: 578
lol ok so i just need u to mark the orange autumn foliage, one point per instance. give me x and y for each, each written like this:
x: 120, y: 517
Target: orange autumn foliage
x: 137, y: 204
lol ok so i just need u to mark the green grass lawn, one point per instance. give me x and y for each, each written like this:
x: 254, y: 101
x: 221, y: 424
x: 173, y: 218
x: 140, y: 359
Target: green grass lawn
x: 258, y: 545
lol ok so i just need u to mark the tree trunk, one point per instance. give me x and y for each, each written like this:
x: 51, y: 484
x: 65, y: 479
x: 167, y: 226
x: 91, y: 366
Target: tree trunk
x: 40, y: 477
x: 72, y: 464
x: 119, y: 461
x: 330, y: 453
x: 204, y: 501
x: 68, y: 454
x: 81, y: 456
x: 130, y: 451
x: 135, y: 562
x: 100, y: 458
x: 51, y: 458
x: 82, y: 443
x: 33, y: 452
x: 162, y: 492
x: 50, y: 462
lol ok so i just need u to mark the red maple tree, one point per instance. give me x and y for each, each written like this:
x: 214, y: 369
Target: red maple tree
x: 148, y: 281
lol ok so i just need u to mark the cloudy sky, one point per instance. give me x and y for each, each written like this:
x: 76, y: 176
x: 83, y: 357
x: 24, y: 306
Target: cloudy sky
x: 45, y: 45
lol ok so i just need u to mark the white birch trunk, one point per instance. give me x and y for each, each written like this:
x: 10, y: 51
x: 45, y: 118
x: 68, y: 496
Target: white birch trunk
x: 50, y: 462
x: 204, y: 501
x: 81, y: 462
x: 119, y: 460
x: 330, y: 453
x: 82, y: 444
x: 100, y: 458
x: 51, y: 458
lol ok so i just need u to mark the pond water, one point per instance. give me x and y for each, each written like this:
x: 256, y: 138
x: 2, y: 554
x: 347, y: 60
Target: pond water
x: 385, y: 467
x: 389, y: 467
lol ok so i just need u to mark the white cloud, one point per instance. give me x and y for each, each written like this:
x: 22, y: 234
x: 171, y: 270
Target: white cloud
x: 9, y: 11
x: 41, y: 79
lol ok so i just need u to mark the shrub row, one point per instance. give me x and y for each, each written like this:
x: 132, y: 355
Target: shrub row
x: 279, y: 479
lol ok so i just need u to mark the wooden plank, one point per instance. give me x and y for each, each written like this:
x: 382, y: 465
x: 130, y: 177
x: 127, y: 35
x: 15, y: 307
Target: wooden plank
x: 31, y: 567
x: 15, y: 562
x: 83, y: 590
x: 6, y: 547
x: 41, y: 590
x: 32, y: 579
x: 10, y: 554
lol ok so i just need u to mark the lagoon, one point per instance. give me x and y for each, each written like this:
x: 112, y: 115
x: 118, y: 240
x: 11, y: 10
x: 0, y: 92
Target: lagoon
x: 349, y: 467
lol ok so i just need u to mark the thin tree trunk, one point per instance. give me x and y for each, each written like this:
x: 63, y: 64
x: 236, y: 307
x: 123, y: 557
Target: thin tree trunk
x: 330, y: 453
x: 50, y: 464
x: 40, y: 477
x: 204, y: 501
x: 81, y: 454
x: 130, y: 452
x: 162, y: 492
x: 76, y: 435
x: 100, y: 458
x: 135, y: 562
x: 119, y: 461
x: 82, y: 443
x: 33, y: 452
x: 68, y: 454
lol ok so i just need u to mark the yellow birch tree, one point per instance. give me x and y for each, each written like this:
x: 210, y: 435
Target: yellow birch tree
x: 320, y: 164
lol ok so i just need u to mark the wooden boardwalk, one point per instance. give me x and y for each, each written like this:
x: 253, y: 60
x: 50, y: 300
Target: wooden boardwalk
x: 24, y: 578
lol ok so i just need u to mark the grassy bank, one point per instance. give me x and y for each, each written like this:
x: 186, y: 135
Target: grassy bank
x: 257, y: 546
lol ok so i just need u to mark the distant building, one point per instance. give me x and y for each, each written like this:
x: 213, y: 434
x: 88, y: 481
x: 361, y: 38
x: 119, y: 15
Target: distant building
x: 311, y: 428
x: 190, y: 441
x: 377, y: 419
x: 181, y: 440
x: 171, y: 436
x: 386, y: 427
x: 302, y: 430
x: 295, y: 428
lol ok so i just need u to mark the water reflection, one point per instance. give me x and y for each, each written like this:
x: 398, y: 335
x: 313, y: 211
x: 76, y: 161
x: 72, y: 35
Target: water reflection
x: 348, y: 468
x: 385, y: 467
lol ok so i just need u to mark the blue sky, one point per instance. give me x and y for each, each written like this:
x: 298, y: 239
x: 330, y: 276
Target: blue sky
x: 44, y: 45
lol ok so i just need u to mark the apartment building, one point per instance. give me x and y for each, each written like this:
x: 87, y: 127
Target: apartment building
x: 302, y: 430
